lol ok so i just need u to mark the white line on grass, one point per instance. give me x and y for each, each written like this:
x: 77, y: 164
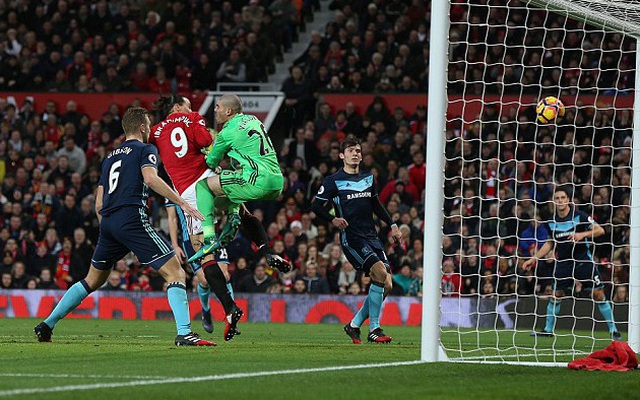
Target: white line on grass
x: 69, y: 388
x: 18, y: 375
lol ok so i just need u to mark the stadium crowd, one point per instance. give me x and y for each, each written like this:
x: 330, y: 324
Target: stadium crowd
x: 51, y: 161
x: 495, y: 196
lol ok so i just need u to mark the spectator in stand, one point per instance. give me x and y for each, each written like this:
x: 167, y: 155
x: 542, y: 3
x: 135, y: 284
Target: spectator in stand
x: 69, y: 217
x: 113, y: 284
x: 45, y: 280
x: 347, y: 277
x: 19, y: 275
x: 259, y: 282
x: 314, y: 283
x: 451, y: 280
x: 203, y: 76
x: 6, y: 281
x: 297, y: 97
x: 75, y: 155
x: 240, y: 272
x: 302, y: 148
x: 402, y: 279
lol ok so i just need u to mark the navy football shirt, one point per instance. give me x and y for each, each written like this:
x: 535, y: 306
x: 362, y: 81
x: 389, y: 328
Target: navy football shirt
x: 351, y: 195
x: 561, y: 228
x: 122, y: 178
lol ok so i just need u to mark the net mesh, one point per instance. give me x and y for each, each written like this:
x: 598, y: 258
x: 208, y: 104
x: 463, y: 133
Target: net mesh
x: 503, y: 167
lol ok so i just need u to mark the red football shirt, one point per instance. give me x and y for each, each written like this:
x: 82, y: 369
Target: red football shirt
x: 179, y: 139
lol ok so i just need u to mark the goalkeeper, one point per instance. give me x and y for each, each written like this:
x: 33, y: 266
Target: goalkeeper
x: 571, y: 230
x: 258, y: 177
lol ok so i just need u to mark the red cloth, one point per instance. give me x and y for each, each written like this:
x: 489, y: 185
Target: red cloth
x: 618, y: 356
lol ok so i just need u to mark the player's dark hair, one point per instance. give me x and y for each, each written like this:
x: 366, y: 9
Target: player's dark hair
x: 165, y: 103
x: 133, y: 118
x: 566, y: 191
x: 350, y: 140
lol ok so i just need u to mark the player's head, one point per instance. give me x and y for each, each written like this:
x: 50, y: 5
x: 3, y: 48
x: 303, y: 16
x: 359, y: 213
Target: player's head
x: 351, y: 151
x: 227, y: 106
x: 136, y: 123
x: 173, y: 103
x: 561, y: 198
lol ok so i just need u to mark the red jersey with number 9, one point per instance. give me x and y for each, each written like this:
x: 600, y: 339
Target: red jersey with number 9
x: 179, y: 139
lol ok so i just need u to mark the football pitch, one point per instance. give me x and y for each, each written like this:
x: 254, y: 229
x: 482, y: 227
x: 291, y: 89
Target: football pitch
x: 116, y: 359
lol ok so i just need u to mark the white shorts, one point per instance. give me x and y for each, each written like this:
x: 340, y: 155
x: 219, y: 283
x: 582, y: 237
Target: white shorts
x: 189, y: 195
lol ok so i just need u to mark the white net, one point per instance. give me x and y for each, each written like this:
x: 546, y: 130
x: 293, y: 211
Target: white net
x: 502, y: 168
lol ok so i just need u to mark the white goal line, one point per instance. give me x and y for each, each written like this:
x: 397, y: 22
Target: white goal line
x: 192, y: 379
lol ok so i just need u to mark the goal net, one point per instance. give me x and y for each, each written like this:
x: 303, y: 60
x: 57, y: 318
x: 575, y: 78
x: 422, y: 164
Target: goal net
x: 502, y: 167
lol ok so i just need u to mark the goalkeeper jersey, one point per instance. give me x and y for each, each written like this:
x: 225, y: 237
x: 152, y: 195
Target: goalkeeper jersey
x: 244, y: 138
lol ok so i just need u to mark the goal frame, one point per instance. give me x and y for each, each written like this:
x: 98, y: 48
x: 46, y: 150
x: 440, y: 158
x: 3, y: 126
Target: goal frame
x: 431, y: 350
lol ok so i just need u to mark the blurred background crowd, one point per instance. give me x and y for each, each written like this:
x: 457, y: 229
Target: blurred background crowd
x: 499, y: 176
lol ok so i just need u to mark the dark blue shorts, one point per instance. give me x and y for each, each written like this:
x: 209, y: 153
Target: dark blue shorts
x: 128, y: 229
x: 567, y: 272
x: 364, y: 253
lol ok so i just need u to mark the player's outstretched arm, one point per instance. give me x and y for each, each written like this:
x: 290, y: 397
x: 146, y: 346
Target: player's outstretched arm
x: 159, y: 186
x: 542, y: 251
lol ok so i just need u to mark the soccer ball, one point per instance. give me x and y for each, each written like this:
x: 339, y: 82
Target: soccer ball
x: 550, y: 110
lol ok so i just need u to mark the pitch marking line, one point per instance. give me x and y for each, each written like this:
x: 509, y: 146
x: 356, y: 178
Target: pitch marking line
x: 69, y: 388
x: 18, y: 375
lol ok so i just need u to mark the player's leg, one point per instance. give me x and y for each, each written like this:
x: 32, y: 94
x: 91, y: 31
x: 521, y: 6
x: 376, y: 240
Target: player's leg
x: 239, y: 191
x: 252, y: 228
x: 108, y: 251
x: 379, y: 279
x: 563, y: 279
x: 72, y: 298
x: 206, y: 192
x: 155, y: 251
x: 173, y: 273
x: 203, y: 289
x: 553, y: 310
x: 588, y: 275
x: 217, y: 274
x: 607, y: 312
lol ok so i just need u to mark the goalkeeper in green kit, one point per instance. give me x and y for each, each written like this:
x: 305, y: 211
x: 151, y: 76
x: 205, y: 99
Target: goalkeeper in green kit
x: 258, y: 176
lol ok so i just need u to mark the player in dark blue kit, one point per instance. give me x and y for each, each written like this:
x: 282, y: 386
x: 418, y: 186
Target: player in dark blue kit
x: 354, y: 199
x: 179, y: 233
x: 570, y: 231
x: 121, y: 206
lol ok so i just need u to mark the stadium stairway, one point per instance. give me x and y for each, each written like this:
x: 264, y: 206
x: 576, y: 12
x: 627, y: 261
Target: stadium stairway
x: 320, y: 19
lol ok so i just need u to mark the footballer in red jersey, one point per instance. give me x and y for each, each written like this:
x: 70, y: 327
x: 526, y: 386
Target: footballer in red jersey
x: 180, y: 138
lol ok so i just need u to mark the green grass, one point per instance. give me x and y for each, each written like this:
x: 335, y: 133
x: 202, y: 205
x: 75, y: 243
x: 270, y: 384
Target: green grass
x: 102, y: 352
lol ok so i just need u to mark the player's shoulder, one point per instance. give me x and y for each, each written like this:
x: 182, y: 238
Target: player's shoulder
x: 583, y: 216
x: 335, y: 176
x: 196, y: 117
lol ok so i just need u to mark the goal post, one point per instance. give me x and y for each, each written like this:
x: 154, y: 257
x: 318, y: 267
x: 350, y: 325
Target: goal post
x: 437, y: 108
x: 490, y: 167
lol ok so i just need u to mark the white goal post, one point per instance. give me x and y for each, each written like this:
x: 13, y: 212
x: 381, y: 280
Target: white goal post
x: 504, y: 334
